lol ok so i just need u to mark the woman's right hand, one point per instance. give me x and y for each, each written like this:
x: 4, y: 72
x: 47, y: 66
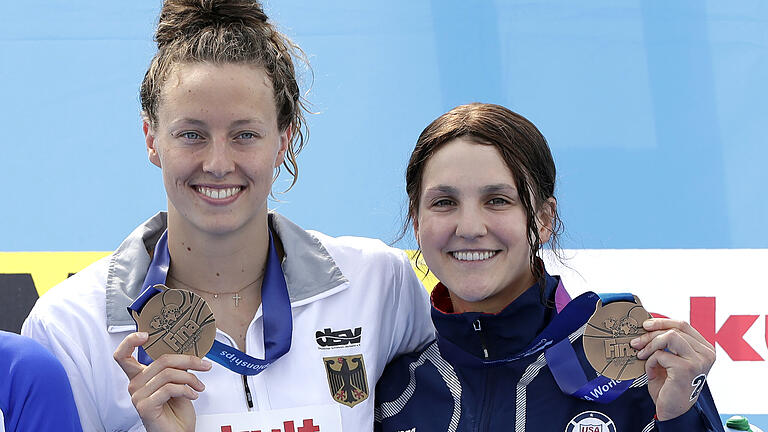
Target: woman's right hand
x: 163, y: 391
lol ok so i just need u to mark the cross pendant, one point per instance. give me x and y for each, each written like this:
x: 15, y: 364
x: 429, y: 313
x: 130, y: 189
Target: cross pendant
x: 237, y: 298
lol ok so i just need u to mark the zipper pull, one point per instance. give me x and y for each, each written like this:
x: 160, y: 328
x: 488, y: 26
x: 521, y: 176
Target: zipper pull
x: 248, y: 397
x: 478, y: 328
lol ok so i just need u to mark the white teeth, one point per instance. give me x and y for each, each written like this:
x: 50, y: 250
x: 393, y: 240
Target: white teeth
x: 218, y: 193
x: 473, y: 256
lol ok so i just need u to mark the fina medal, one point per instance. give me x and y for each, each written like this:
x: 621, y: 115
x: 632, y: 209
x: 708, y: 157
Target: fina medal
x: 178, y: 322
x: 606, y: 339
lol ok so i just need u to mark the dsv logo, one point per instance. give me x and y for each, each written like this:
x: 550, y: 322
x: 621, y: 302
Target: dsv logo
x: 329, y: 338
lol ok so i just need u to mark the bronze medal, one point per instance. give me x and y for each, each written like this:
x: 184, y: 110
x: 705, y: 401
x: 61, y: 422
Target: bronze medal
x: 607, y: 336
x: 178, y: 322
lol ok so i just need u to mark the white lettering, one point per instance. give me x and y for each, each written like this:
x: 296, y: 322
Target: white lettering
x: 598, y: 391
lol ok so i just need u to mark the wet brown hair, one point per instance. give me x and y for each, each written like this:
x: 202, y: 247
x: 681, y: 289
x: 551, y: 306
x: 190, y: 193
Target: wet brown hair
x: 525, y: 152
x: 226, y: 32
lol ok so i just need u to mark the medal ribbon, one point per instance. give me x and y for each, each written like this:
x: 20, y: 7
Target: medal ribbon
x: 276, y: 304
x: 565, y: 366
x: 568, y: 319
x: 561, y: 357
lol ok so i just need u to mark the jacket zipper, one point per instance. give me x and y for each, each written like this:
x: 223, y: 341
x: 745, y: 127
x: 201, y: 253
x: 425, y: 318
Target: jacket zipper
x: 248, y: 397
x: 483, y: 424
x: 486, y: 412
x: 479, y: 330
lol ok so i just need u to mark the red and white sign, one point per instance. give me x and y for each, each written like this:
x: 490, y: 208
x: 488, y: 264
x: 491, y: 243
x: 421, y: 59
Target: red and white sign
x: 320, y: 418
x: 721, y: 292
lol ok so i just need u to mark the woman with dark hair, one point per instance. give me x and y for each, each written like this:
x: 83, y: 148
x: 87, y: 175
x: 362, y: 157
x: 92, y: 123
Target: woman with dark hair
x: 304, y: 323
x: 510, y: 352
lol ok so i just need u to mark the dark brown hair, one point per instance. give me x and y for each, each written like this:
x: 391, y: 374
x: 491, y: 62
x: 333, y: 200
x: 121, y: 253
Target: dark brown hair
x: 224, y: 32
x: 521, y: 145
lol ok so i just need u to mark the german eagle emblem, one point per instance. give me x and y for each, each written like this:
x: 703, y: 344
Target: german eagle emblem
x: 347, y: 380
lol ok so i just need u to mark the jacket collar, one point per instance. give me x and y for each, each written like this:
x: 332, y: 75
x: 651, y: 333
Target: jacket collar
x: 503, y: 334
x: 308, y: 267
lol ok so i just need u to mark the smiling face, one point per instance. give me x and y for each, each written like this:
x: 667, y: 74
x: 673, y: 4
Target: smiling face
x: 218, y: 144
x: 471, y: 226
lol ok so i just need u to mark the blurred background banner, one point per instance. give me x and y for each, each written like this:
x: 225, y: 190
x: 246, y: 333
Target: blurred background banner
x: 655, y: 113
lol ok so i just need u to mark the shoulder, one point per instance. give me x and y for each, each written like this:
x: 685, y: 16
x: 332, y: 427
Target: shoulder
x: 413, y: 384
x: 29, y: 364
x: 82, y: 294
x: 351, y: 254
x: 35, y: 392
x: 366, y: 257
x: 361, y: 248
x: 76, y: 305
x: 401, y: 374
x: 14, y: 347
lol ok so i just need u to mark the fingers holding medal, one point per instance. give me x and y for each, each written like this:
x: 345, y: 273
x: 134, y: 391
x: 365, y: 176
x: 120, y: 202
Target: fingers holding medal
x: 176, y: 328
x: 659, y: 336
x: 678, y: 358
x: 622, y: 341
x: 163, y: 391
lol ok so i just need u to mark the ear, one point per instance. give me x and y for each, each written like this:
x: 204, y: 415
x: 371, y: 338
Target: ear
x: 149, y: 139
x: 416, y: 231
x: 545, y: 219
x: 285, y: 141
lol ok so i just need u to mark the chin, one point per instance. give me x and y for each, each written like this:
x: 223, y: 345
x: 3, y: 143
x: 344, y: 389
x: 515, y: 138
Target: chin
x: 474, y: 296
x: 219, y: 226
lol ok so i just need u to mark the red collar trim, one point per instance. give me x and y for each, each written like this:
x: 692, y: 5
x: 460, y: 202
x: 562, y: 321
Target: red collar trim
x: 441, y: 299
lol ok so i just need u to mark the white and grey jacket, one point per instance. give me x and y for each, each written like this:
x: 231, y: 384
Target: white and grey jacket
x: 334, y: 283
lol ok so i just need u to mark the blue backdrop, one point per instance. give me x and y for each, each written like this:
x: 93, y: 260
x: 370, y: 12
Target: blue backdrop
x: 655, y: 112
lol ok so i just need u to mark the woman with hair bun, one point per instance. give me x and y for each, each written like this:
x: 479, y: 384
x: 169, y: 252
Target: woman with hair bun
x: 509, y: 352
x: 304, y: 323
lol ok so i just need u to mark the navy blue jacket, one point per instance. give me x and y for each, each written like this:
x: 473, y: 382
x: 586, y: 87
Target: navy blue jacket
x: 429, y: 391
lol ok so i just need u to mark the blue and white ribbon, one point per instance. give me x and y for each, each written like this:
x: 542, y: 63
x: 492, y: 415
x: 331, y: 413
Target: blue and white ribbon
x: 276, y: 304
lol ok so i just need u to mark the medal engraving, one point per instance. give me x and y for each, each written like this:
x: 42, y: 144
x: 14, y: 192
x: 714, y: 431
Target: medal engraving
x: 178, y: 322
x: 607, y: 336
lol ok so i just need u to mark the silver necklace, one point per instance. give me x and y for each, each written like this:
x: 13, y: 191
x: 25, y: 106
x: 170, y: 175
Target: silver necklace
x: 235, y: 294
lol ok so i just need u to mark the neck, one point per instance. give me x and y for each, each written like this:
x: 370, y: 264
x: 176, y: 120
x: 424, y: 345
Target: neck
x: 217, y: 262
x: 497, y: 302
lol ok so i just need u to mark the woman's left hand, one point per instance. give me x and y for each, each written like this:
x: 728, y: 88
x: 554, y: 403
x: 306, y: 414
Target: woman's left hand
x: 678, y: 361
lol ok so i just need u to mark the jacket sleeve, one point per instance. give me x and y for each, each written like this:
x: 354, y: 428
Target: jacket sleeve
x: 702, y: 416
x: 413, y: 326
x: 75, y: 364
x: 40, y: 395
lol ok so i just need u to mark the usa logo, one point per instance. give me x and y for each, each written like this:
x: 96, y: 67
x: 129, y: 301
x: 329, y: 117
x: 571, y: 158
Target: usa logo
x: 591, y: 421
x: 347, y: 379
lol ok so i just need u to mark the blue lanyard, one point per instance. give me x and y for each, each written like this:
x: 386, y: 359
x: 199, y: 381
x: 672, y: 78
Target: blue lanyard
x: 568, y: 320
x: 276, y: 304
x: 566, y: 368
x: 561, y: 357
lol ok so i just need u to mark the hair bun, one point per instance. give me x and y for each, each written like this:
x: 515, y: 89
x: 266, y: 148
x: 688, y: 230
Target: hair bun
x: 181, y: 18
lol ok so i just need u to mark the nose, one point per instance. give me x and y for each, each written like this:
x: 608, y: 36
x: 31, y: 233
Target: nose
x: 219, y: 160
x: 471, y: 223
